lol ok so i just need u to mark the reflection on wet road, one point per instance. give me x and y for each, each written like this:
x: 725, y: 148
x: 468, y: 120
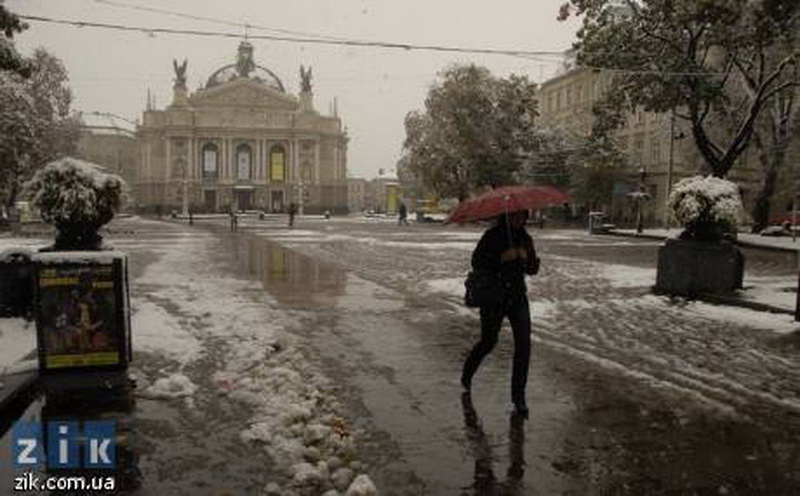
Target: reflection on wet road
x: 397, y: 360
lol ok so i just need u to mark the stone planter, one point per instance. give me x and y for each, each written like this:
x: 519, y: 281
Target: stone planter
x: 688, y: 267
x: 73, y: 236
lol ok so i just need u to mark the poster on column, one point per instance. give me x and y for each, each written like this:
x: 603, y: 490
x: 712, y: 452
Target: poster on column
x: 81, y: 320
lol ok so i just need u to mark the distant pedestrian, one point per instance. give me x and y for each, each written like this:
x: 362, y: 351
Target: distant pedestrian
x: 292, y: 212
x: 191, y: 218
x: 402, y: 217
x: 506, y: 250
x: 234, y: 221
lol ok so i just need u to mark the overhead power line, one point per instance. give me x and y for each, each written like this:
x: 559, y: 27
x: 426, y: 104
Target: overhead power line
x: 289, y: 39
x: 246, y: 25
x: 537, y: 55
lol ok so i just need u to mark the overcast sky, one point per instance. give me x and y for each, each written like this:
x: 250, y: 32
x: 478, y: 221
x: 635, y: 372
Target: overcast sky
x: 111, y: 71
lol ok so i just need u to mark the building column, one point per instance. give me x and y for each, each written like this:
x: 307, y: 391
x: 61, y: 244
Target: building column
x: 295, y: 153
x: 316, y: 162
x: 228, y: 158
x: 168, y: 164
x: 259, y: 163
x: 192, y: 157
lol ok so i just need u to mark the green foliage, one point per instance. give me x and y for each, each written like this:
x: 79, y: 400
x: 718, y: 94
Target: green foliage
x: 71, y: 191
x: 475, y: 131
x: 74, y: 192
x: 690, y: 55
x: 10, y: 59
x: 36, y: 124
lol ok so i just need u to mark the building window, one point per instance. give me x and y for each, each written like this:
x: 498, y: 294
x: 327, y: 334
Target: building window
x: 244, y: 161
x: 277, y: 164
x: 656, y: 159
x: 638, y: 150
x: 210, y: 161
x: 307, y: 173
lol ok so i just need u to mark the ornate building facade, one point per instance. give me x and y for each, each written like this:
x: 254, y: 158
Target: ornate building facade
x: 242, y: 142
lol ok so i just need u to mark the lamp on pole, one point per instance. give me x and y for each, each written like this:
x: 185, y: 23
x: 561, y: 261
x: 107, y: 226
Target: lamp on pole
x: 301, y: 194
x: 672, y: 138
x: 639, y: 200
x: 185, y: 193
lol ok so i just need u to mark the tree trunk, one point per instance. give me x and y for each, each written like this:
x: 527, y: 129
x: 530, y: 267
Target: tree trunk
x: 763, y: 202
x: 772, y: 159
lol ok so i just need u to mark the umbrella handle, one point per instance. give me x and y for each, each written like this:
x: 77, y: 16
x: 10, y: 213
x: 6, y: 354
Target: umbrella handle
x: 508, y: 226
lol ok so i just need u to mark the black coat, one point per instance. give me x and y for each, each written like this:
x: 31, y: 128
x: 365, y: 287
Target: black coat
x: 494, y: 242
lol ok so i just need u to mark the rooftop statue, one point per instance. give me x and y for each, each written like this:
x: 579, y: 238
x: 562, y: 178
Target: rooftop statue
x: 305, y: 79
x: 180, y: 72
x: 244, y: 62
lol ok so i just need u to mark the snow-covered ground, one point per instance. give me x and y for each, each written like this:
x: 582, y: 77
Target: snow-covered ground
x: 17, y: 341
x: 591, y: 301
x: 595, y: 308
x: 783, y: 242
x: 187, y: 313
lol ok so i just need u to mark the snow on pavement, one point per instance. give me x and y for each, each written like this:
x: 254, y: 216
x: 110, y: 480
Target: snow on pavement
x: 18, y: 339
x: 186, y: 308
x: 725, y: 357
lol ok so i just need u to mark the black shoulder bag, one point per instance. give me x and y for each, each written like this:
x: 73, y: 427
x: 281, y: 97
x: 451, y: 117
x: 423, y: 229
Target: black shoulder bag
x: 484, y: 289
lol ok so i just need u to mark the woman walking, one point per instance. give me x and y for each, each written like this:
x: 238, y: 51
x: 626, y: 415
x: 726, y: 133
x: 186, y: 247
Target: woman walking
x: 507, y: 250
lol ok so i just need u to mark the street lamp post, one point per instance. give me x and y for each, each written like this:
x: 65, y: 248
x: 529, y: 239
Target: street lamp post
x: 185, y: 188
x: 639, y: 200
x: 669, y: 168
x: 301, y: 194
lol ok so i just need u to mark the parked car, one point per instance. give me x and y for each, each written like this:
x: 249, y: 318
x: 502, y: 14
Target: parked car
x: 780, y: 219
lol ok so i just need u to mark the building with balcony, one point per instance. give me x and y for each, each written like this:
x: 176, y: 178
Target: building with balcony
x: 242, y: 142
x: 659, y: 151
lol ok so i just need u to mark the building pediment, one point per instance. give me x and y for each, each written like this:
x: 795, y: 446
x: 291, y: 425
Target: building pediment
x: 243, y: 92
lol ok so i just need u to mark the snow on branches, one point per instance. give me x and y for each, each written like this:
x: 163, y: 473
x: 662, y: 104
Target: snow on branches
x: 71, y: 191
x: 706, y: 200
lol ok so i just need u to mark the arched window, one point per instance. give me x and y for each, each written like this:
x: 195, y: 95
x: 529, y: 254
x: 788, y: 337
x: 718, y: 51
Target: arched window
x: 277, y: 164
x: 210, y: 161
x: 244, y: 161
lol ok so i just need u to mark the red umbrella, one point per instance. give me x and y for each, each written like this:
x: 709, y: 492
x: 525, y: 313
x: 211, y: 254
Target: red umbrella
x: 506, y: 199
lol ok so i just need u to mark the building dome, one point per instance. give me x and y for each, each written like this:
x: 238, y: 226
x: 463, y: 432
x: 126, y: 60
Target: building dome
x: 245, y: 67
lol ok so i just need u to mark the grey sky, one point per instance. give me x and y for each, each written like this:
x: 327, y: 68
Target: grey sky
x: 111, y: 71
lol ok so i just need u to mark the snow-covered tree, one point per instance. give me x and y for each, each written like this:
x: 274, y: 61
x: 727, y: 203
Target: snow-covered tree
x: 78, y: 198
x: 36, y: 123
x: 687, y: 55
x: 706, y: 206
x: 475, y: 131
x: 10, y: 59
x: 17, y: 134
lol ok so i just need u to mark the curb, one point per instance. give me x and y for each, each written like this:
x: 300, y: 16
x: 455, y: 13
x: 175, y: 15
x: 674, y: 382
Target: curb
x: 746, y: 244
x: 726, y: 300
x: 719, y: 299
x: 15, y: 386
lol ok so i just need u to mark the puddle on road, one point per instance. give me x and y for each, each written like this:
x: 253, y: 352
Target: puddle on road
x: 298, y: 281
x: 161, y: 448
x: 590, y: 432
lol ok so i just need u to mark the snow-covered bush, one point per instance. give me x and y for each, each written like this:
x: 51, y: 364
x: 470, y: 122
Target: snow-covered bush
x: 706, y: 206
x: 78, y: 197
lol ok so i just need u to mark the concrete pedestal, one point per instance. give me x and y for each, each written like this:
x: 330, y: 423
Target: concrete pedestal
x: 688, y: 268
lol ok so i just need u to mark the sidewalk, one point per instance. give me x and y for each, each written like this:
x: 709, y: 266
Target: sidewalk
x: 768, y: 294
x: 781, y: 243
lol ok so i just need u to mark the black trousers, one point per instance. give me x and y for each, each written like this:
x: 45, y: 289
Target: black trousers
x: 517, y: 309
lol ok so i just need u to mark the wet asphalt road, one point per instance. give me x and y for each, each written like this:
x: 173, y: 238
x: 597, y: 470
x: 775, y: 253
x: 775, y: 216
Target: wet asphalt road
x: 396, y: 355
x: 397, y: 358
